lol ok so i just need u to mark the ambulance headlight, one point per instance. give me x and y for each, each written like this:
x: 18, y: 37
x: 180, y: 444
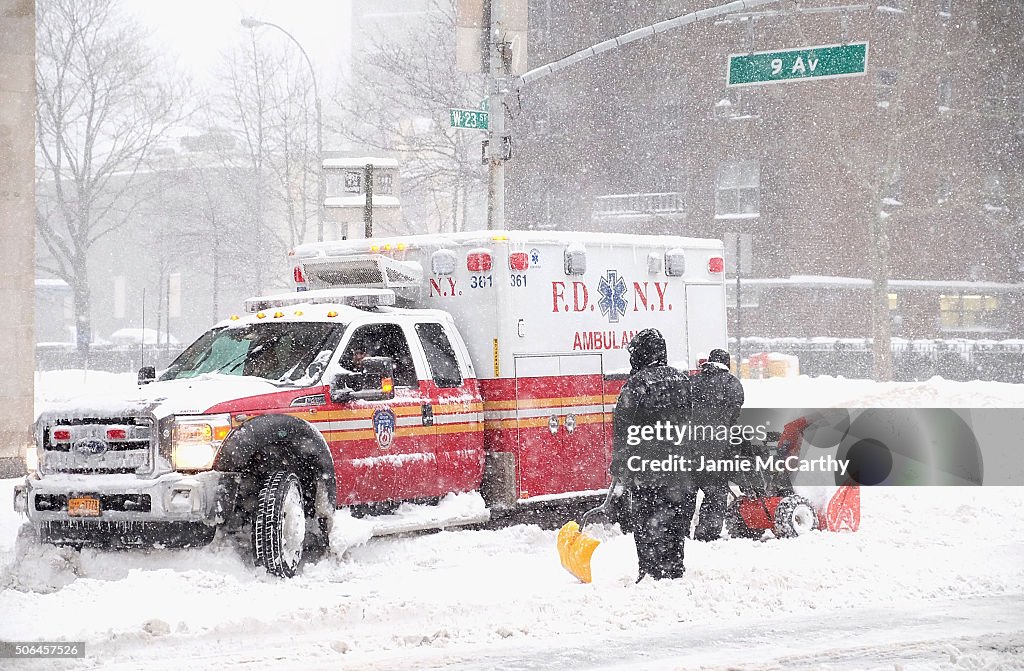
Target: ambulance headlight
x: 195, y: 441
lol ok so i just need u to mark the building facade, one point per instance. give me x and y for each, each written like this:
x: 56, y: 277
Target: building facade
x: 915, y: 165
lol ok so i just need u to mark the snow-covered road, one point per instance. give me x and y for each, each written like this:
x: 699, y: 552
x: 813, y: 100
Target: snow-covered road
x: 934, y: 579
x: 929, y: 569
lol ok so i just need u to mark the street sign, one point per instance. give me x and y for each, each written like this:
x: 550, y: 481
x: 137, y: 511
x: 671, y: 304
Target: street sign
x: 789, y: 65
x: 506, y: 149
x: 485, y: 104
x: 473, y: 119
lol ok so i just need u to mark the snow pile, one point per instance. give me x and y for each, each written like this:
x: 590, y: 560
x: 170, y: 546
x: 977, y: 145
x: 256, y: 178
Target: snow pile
x: 932, y: 580
x: 829, y: 392
x: 470, y: 599
x: 451, y: 510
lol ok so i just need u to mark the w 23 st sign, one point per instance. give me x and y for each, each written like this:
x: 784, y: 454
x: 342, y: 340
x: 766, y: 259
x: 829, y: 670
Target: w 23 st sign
x: 788, y: 65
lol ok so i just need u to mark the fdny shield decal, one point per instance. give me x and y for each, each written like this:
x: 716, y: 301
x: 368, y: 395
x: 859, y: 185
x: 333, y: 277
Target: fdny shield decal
x: 384, y: 427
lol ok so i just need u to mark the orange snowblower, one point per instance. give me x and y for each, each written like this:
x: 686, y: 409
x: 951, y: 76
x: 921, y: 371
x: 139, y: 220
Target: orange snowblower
x: 770, y: 502
x: 575, y: 548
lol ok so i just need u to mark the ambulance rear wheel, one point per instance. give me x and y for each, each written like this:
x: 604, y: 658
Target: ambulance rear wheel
x: 794, y: 517
x: 735, y: 525
x: 279, y: 524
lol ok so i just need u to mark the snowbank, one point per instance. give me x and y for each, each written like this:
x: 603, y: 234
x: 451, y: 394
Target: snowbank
x: 934, y: 579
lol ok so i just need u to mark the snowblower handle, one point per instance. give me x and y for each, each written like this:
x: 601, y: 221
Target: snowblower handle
x: 600, y: 508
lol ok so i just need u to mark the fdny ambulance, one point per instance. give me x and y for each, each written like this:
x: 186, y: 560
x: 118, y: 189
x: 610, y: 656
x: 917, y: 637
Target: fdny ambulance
x: 401, y: 369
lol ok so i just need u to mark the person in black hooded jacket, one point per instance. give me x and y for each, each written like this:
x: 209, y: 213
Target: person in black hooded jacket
x: 717, y: 397
x: 655, y: 392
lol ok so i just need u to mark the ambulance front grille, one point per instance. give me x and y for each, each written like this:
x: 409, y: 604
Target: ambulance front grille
x: 97, y: 445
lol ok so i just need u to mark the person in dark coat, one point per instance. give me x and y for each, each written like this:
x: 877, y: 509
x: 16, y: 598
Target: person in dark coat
x: 717, y: 397
x: 655, y: 392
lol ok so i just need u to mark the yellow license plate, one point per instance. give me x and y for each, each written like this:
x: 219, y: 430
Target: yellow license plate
x: 84, y: 506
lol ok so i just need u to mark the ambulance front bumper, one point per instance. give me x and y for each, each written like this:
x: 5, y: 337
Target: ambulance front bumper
x: 171, y: 497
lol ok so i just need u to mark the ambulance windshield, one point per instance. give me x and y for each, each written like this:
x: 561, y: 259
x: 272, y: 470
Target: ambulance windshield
x: 289, y: 352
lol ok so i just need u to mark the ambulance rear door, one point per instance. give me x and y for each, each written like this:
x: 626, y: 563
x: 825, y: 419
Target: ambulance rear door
x: 560, y: 420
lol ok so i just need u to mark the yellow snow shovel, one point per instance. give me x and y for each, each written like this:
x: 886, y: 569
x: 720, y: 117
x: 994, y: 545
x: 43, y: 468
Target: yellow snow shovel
x: 575, y: 548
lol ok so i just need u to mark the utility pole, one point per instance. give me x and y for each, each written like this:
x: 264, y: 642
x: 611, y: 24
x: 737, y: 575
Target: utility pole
x: 496, y: 123
x: 368, y: 207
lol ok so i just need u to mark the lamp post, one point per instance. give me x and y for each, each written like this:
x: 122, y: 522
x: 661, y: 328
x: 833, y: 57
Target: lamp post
x: 251, y: 23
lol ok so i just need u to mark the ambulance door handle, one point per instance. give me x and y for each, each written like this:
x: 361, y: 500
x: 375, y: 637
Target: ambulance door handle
x: 427, y: 411
x: 553, y: 424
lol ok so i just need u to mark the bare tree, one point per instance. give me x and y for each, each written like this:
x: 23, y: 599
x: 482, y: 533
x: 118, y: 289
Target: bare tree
x: 267, y: 106
x: 398, y: 100
x: 104, y: 103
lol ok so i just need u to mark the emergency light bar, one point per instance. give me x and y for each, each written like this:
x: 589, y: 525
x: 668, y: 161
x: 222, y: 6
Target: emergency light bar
x: 356, y: 297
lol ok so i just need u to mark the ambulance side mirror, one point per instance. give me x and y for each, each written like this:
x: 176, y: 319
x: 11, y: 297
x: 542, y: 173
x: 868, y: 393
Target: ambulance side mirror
x: 146, y: 375
x: 377, y: 379
x: 339, y: 388
x: 374, y: 383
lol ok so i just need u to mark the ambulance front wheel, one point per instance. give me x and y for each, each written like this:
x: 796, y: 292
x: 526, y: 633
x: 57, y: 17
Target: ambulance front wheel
x: 279, y: 524
x: 794, y: 517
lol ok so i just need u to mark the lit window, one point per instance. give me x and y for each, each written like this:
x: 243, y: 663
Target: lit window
x: 738, y: 189
x: 960, y: 311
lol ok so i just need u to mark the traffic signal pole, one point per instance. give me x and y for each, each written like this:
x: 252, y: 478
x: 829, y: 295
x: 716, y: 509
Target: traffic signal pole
x: 496, y: 122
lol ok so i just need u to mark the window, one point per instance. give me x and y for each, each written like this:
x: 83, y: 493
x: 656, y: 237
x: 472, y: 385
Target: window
x: 945, y: 8
x: 736, y: 104
x: 737, y: 190
x: 280, y: 352
x: 885, y: 86
x: 993, y: 194
x: 353, y: 181
x: 945, y: 94
x: 444, y: 365
x: 945, y: 189
x: 893, y: 188
x: 959, y: 311
x: 383, y: 182
x: 890, y: 5
x: 381, y: 340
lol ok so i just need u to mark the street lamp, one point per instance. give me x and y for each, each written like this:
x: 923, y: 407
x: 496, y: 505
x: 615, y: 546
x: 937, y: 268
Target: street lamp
x: 251, y: 23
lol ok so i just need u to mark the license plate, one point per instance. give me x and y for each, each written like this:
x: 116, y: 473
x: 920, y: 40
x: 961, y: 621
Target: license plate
x: 84, y: 506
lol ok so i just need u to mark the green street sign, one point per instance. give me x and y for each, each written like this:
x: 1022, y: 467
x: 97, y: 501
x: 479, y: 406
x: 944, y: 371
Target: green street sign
x: 790, y: 65
x: 474, y: 119
x: 485, y: 104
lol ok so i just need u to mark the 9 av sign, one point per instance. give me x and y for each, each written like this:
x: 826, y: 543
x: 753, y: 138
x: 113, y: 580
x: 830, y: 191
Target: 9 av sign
x: 826, y: 62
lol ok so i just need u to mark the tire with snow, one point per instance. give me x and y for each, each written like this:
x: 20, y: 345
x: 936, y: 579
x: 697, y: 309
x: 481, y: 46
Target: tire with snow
x: 735, y: 525
x: 794, y: 517
x: 279, y: 524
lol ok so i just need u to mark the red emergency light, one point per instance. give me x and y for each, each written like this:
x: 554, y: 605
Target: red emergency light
x: 300, y: 278
x: 716, y: 264
x: 116, y: 434
x: 61, y: 435
x: 518, y: 261
x: 478, y: 262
